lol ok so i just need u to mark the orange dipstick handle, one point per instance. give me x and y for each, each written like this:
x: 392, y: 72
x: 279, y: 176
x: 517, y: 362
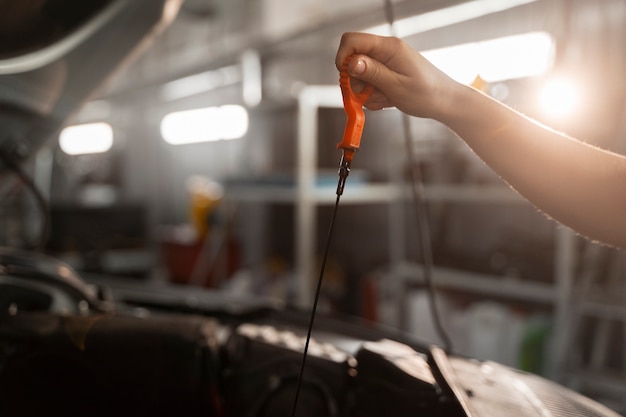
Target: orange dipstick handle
x: 353, y: 106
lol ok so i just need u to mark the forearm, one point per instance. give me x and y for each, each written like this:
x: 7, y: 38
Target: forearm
x: 578, y: 185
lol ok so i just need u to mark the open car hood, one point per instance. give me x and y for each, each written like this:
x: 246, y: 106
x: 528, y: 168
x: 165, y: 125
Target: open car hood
x: 56, y: 54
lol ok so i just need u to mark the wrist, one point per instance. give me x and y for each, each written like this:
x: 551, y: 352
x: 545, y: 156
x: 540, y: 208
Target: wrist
x: 453, y: 102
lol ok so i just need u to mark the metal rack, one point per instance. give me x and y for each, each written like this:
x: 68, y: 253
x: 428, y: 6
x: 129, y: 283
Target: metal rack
x: 306, y: 197
x: 597, y: 373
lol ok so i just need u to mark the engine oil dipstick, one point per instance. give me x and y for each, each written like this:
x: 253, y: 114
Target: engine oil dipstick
x: 353, y: 107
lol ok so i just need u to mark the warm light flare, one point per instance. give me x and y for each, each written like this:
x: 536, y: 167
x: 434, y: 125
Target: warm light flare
x: 507, y: 58
x: 559, y: 97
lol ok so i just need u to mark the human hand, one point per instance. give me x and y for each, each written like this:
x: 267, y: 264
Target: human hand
x: 402, y: 77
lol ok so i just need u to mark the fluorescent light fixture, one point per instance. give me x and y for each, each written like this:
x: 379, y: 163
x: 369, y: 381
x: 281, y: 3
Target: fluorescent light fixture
x: 207, y: 124
x: 86, y: 138
x: 200, y: 83
x: 507, y: 58
x: 446, y: 17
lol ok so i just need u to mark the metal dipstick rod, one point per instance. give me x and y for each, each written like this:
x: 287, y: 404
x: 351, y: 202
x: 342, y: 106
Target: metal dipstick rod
x: 353, y: 106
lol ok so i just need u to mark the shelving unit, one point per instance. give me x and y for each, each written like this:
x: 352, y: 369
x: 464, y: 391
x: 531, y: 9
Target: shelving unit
x: 306, y: 197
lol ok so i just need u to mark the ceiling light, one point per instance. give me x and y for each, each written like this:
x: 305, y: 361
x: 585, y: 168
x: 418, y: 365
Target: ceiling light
x: 86, y: 138
x: 207, y: 124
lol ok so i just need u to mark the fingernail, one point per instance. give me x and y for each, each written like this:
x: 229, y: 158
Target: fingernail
x: 359, y: 67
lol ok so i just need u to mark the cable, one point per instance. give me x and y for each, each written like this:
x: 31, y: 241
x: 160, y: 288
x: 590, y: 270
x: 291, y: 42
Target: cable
x: 423, y: 229
x: 317, y: 296
x: 41, y: 201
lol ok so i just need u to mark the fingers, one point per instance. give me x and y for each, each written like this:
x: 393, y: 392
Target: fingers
x: 401, y: 76
x: 378, y: 101
x: 369, y: 64
x: 379, y: 48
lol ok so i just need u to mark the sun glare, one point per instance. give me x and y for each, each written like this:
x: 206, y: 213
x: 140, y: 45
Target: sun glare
x: 559, y: 97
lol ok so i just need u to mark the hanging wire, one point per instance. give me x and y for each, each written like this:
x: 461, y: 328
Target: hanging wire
x: 423, y: 229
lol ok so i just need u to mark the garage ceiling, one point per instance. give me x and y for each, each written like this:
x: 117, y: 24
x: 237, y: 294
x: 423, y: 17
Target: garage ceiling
x: 211, y: 33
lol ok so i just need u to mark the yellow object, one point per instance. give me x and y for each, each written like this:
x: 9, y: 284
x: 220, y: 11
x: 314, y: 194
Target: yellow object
x: 205, y: 195
x: 479, y: 83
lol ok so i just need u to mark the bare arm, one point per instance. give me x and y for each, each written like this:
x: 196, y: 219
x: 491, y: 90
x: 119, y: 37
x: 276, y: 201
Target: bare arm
x: 579, y: 185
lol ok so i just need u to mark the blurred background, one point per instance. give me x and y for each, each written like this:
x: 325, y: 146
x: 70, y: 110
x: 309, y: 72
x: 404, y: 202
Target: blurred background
x: 210, y: 161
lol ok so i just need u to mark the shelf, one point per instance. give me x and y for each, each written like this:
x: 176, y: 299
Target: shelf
x: 483, y: 284
x: 603, y: 308
x: 374, y: 193
x: 371, y: 193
